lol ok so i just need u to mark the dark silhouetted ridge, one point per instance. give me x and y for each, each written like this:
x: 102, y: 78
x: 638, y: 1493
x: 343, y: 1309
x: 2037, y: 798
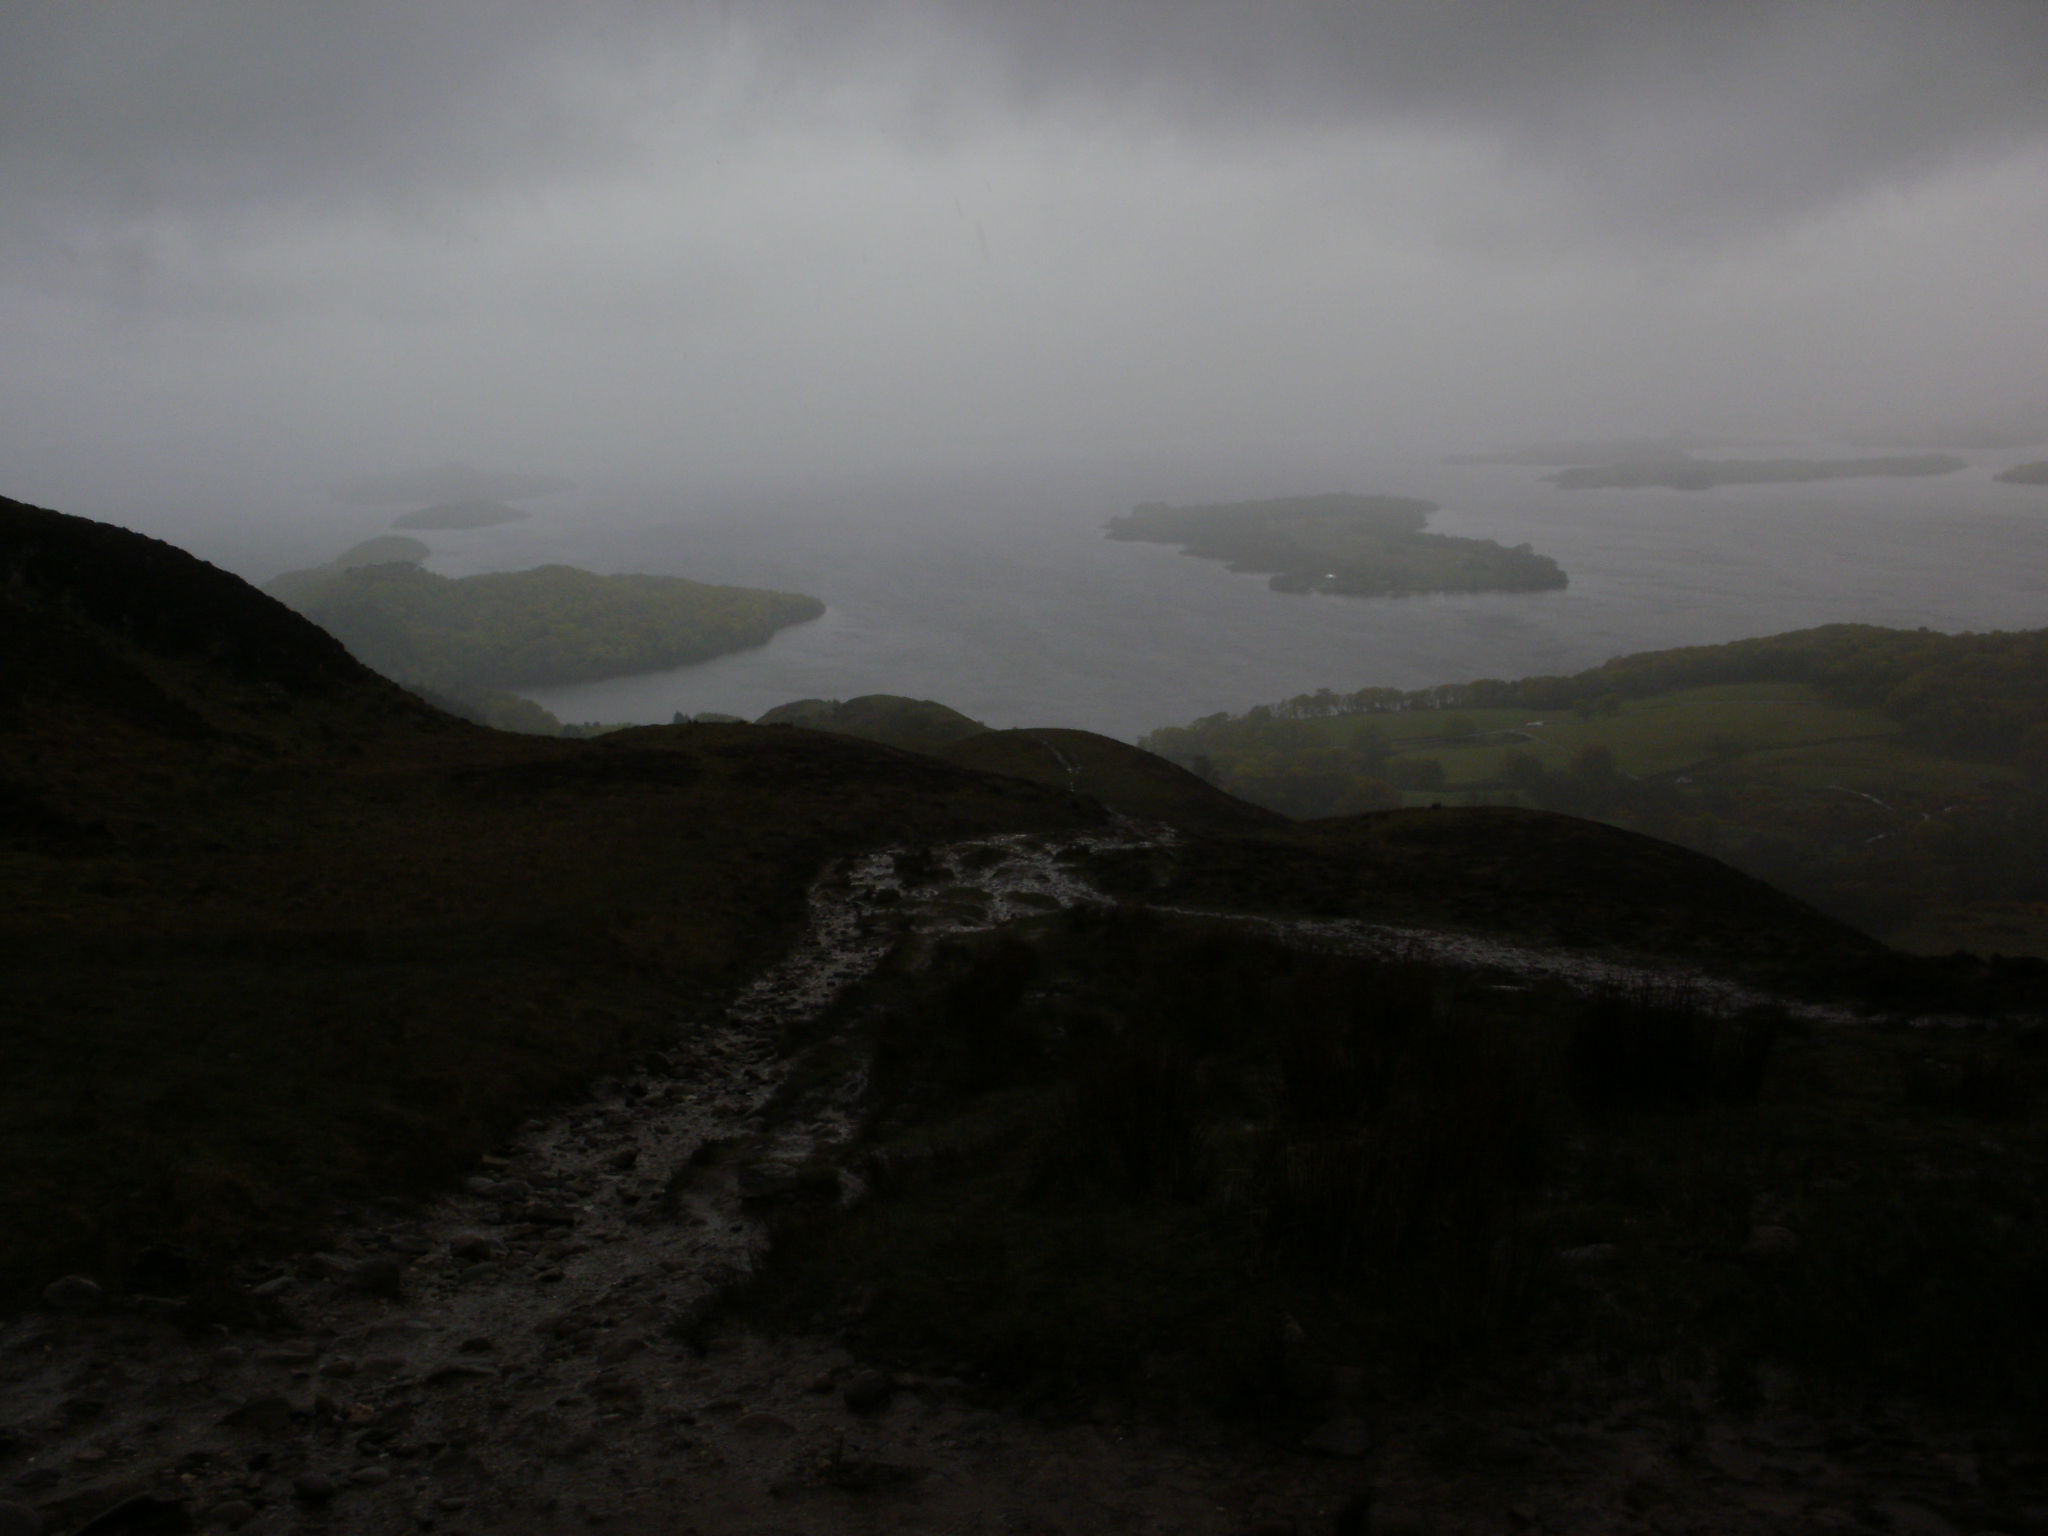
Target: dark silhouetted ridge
x: 1122, y: 777
x: 1560, y: 879
x: 164, y: 601
x: 916, y: 725
x: 104, y: 627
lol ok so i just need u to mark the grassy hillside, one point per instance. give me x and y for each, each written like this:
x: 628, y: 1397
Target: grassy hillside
x: 270, y: 982
x: 1899, y: 779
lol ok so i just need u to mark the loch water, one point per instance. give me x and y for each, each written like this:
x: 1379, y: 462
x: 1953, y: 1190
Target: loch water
x: 1003, y: 599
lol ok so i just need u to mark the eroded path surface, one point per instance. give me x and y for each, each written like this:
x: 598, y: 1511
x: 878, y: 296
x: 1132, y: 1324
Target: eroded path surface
x: 516, y: 1355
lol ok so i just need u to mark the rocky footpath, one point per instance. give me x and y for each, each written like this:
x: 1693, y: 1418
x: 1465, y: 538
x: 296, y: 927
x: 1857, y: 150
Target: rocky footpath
x: 529, y: 1353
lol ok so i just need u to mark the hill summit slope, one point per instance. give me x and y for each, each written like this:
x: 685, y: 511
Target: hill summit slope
x: 85, y: 601
x: 916, y: 725
x: 1122, y: 777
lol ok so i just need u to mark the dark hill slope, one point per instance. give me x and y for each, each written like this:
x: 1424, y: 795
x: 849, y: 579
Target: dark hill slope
x: 275, y: 984
x: 137, y: 681
x: 1578, y: 882
x: 272, y: 930
x: 1122, y: 777
x: 1532, y: 875
x: 917, y: 725
x: 106, y: 630
x: 140, y: 594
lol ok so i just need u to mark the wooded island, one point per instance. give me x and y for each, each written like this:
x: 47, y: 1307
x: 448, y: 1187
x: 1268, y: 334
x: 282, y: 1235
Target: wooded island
x: 1353, y: 546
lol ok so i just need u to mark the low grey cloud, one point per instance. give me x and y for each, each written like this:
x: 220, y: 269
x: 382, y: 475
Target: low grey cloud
x: 734, y: 235
x: 1665, y: 116
x: 1673, y: 114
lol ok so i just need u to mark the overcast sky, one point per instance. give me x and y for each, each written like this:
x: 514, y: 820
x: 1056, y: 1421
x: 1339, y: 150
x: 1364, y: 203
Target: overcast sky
x: 741, y: 241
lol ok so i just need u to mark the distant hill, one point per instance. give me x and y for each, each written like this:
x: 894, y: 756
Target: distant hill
x: 2035, y: 473
x: 1896, y: 778
x: 917, y: 725
x: 385, y: 549
x: 461, y: 514
x: 1684, y: 473
x: 469, y: 700
x: 504, y: 629
x: 1124, y: 778
x: 1573, y: 882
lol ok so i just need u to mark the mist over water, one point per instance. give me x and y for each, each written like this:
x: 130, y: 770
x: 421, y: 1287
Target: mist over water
x: 1071, y: 255
x: 1005, y: 601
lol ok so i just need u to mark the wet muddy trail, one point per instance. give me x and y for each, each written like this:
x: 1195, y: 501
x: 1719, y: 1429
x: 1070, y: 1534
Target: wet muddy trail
x: 515, y: 1355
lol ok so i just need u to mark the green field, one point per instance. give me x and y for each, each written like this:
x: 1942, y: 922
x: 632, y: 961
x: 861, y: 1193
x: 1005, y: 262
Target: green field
x: 1893, y: 778
x: 1668, y: 733
x: 1786, y: 732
